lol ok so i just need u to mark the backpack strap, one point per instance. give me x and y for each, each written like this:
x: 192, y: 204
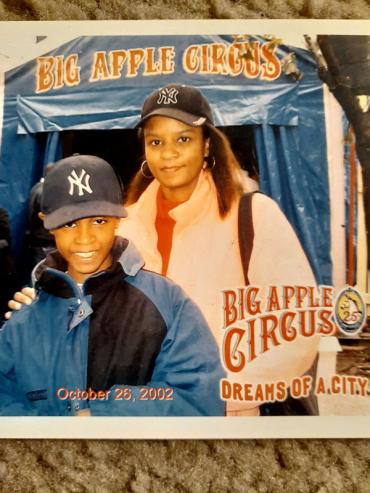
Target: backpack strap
x: 246, y: 232
x: 305, y: 405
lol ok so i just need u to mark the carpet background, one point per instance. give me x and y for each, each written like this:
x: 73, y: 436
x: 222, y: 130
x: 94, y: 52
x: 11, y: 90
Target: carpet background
x: 261, y: 466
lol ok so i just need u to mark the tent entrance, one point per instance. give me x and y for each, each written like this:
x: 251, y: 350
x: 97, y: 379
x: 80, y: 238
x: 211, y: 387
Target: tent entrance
x: 121, y: 148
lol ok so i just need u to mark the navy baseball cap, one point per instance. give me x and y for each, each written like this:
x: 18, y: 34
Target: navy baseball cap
x: 184, y: 103
x: 80, y: 186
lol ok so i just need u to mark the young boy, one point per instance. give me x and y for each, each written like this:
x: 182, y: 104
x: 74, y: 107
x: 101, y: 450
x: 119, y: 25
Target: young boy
x: 104, y: 336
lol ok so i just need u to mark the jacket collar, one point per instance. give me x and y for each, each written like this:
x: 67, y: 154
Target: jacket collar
x: 50, y: 274
x: 202, y: 201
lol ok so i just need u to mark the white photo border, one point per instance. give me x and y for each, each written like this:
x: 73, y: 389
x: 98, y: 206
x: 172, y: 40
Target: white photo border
x: 174, y: 427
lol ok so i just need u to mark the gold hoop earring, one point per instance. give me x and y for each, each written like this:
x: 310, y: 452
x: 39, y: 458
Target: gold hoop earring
x: 210, y: 163
x: 142, y: 169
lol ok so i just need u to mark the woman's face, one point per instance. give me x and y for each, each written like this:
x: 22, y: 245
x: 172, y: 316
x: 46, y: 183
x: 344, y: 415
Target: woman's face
x: 175, y: 154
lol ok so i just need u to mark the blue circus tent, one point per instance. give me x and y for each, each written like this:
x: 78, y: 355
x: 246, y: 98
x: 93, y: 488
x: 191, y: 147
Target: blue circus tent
x: 100, y: 83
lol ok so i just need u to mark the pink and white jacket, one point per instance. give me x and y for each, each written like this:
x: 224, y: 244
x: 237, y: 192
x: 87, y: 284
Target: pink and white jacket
x: 205, y: 260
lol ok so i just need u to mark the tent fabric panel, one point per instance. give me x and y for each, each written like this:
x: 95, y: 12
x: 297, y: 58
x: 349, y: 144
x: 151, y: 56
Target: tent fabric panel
x: 119, y: 109
x: 313, y: 155
x: 21, y: 165
x: 53, y: 150
x: 293, y: 171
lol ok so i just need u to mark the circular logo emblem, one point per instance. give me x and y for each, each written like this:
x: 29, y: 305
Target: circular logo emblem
x: 350, y: 311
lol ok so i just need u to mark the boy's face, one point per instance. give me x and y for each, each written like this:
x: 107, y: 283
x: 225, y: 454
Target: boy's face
x: 86, y: 245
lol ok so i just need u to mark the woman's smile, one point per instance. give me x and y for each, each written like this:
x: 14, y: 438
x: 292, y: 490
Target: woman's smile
x: 171, y: 169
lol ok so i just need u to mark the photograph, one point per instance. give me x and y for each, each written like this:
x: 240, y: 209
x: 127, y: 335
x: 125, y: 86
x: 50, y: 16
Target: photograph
x: 185, y: 218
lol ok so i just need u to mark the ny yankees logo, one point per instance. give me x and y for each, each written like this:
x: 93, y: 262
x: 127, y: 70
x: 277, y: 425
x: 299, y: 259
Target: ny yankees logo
x: 168, y: 95
x: 76, y: 181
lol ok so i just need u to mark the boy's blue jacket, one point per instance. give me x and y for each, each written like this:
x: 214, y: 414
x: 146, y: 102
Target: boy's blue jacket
x: 123, y: 337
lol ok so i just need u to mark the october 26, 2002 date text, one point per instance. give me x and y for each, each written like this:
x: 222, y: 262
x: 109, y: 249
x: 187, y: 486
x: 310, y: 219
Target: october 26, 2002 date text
x: 122, y: 393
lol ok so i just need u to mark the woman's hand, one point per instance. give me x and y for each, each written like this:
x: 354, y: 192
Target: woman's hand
x: 24, y: 297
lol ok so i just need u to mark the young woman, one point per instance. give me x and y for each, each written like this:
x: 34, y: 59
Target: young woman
x: 183, y: 217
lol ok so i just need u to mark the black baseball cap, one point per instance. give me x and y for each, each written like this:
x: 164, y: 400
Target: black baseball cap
x: 80, y: 186
x: 184, y: 103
